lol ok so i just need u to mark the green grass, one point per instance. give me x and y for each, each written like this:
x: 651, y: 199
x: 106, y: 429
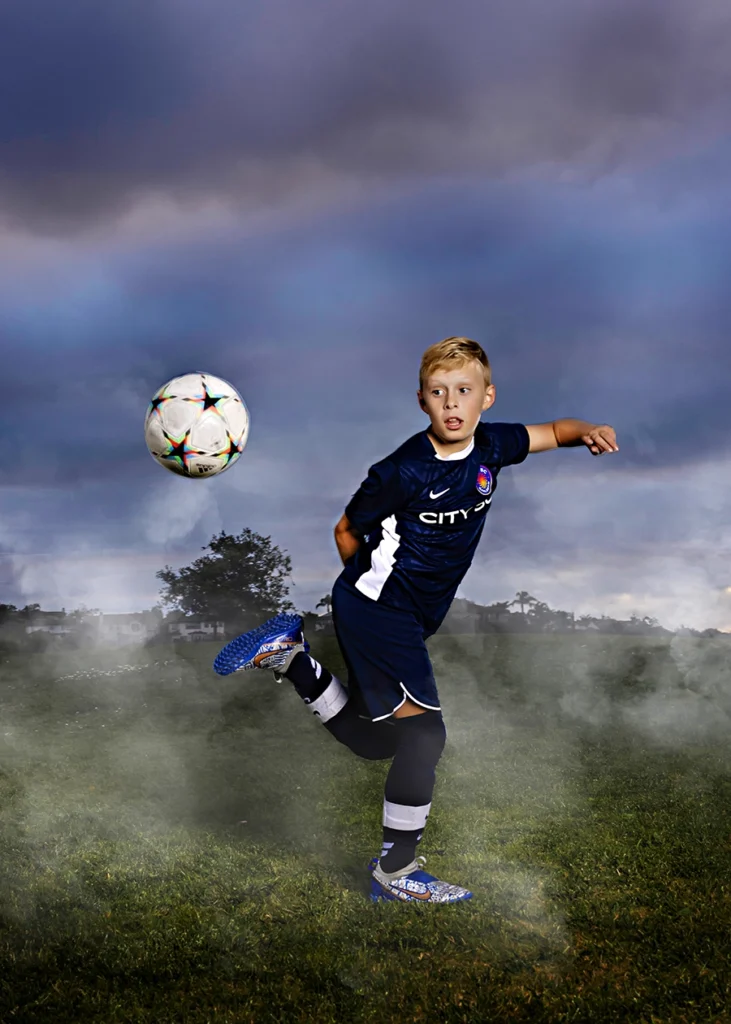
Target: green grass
x: 177, y: 847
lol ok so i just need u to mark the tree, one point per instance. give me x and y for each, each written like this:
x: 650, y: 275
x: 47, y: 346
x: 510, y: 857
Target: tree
x: 326, y: 603
x: 7, y: 612
x: 564, y: 621
x: 241, y: 584
x: 540, y: 615
x: 83, y: 615
x: 523, y: 598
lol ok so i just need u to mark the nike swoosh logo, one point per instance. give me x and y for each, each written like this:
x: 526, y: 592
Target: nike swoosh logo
x: 433, y: 495
x: 415, y: 895
x: 403, y: 894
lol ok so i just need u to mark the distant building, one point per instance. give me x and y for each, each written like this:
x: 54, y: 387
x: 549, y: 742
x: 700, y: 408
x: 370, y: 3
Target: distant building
x: 56, y: 623
x: 126, y: 628
x: 325, y: 622
x: 498, y: 614
x: 195, y: 629
x: 118, y: 630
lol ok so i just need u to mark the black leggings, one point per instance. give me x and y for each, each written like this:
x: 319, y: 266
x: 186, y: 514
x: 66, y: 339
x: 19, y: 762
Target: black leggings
x: 420, y: 737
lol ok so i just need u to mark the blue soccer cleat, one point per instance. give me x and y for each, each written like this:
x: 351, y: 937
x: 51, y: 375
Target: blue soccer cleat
x: 271, y: 646
x: 411, y: 883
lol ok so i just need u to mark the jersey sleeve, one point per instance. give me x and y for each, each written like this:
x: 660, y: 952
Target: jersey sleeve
x: 380, y: 495
x: 510, y: 441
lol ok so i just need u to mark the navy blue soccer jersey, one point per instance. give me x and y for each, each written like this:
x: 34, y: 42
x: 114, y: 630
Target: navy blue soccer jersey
x: 421, y: 515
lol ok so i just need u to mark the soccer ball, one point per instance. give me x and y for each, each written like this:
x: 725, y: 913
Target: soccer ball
x: 196, y: 425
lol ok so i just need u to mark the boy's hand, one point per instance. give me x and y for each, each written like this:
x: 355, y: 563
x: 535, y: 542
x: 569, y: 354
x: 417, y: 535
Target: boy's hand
x: 601, y: 439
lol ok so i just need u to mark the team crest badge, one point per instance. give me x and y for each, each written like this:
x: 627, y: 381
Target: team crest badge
x: 484, y: 480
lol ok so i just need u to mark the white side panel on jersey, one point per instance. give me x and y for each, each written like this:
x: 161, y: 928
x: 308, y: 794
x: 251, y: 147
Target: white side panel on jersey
x: 382, y: 561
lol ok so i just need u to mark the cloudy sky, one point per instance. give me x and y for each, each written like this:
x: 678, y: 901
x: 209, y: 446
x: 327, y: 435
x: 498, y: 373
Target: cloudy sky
x: 302, y: 198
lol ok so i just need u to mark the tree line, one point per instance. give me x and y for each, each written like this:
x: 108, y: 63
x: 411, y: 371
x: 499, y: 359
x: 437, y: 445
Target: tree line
x: 244, y: 580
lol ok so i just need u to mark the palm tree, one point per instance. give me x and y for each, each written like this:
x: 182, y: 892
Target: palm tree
x: 326, y: 603
x: 523, y: 598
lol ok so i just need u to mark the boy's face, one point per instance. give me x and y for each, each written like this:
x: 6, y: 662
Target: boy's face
x: 454, y: 399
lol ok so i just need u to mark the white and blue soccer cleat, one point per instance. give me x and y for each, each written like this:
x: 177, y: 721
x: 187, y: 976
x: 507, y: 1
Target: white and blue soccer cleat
x: 271, y: 646
x: 412, y: 883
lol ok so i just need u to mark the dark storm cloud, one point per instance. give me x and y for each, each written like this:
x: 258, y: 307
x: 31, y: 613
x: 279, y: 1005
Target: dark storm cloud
x: 326, y: 327
x: 110, y: 102
x: 69, y: 70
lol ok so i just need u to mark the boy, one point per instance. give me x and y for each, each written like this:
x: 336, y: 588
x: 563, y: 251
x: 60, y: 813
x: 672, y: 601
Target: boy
x: 406, y: 539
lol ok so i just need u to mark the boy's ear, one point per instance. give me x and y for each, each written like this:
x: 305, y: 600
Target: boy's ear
x: 420, y: 396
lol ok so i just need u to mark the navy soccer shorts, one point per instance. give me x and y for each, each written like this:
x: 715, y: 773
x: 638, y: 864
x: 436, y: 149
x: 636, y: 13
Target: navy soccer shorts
x: 385, y: 654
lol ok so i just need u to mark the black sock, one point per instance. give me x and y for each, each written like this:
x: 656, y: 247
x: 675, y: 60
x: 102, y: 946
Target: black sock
x: 409, y: 787
x: 308, y: 677
x: 399, y: 848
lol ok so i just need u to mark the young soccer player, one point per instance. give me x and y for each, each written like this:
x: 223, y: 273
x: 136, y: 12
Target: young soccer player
x: 406, y: 539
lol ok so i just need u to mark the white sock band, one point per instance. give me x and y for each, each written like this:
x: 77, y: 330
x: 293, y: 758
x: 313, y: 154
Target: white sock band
x: 333, y: 700
x: 403, y: 817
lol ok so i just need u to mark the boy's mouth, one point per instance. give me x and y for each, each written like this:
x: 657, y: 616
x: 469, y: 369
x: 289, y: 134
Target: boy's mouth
x: 453, y: 423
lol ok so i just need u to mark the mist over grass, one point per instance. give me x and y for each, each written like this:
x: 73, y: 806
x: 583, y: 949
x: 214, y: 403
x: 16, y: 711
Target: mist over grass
x: 177, y: 845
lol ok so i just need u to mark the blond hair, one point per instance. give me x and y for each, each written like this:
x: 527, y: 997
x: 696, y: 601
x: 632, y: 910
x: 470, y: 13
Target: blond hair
x: 450, y: 354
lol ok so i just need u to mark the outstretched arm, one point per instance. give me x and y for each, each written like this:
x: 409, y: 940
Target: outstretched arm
x: 571, y: 433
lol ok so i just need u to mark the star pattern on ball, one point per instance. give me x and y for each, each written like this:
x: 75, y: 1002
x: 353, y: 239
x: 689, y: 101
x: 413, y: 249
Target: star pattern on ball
x: 156, y: 402
x: 210, y: 400
x: 234, y: 450
x: 179, y: 451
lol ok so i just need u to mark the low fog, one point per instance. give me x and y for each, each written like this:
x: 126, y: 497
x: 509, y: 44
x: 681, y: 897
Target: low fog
x: 184, y: 753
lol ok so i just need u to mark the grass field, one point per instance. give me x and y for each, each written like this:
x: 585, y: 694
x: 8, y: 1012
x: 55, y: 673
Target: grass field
x: 177, y: 847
